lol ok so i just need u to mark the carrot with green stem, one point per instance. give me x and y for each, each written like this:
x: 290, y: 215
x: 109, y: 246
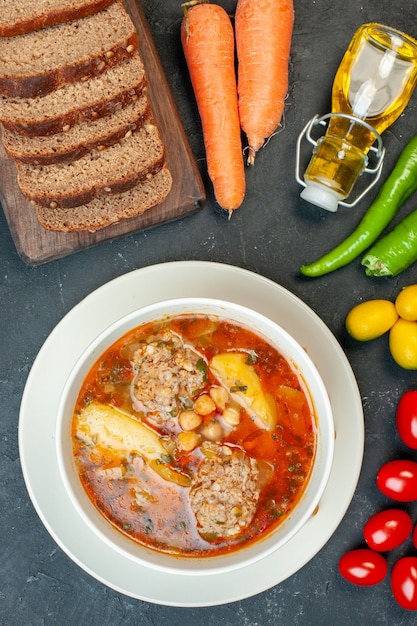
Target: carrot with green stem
x: 263, y: 42
x: 208, y: 42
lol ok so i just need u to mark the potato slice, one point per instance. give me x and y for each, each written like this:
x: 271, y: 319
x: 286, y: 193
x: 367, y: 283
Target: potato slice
x: 242, y: 382
x: 108, y: 427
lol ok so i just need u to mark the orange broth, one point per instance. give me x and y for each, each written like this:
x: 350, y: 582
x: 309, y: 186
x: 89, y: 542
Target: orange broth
x: 156, y: 512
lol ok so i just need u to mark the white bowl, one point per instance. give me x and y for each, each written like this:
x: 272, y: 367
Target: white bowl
x: 310, y: 499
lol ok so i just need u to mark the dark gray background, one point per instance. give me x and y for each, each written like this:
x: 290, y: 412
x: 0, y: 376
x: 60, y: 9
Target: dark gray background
x: 271, y: 234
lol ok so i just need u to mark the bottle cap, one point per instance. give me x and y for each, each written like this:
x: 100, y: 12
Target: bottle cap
x: 321, y: 196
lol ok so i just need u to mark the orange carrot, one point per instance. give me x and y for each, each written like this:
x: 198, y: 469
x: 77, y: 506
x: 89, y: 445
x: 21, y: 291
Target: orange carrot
x: 208, y: 42
x: 263, y: 41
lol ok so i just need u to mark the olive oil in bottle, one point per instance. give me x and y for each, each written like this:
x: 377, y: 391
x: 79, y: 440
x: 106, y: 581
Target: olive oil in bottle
x: 372, y: 86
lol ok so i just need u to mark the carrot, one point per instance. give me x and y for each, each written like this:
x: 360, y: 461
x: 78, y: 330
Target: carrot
x: 208, y: 41
x: 263, y: 41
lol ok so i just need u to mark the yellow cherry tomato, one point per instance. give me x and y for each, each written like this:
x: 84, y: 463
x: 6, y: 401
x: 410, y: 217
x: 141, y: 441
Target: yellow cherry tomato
x: 403, y: 343
x: 371, y: 319
x: 406, y: 303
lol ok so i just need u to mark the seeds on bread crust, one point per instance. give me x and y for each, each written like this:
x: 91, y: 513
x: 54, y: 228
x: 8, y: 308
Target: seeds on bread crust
x: 65, y: 53
x: 107, y: 209
x: 75, y: 115
x: 75, y: 102
x: 119, y: 167
x: 18, y: 17
x: 75, y: 141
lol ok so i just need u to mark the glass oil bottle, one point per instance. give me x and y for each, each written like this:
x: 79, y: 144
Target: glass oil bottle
x: 372, y: 86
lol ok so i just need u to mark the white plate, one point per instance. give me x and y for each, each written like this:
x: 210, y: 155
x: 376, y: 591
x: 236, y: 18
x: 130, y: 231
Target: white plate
x: 53, y: 364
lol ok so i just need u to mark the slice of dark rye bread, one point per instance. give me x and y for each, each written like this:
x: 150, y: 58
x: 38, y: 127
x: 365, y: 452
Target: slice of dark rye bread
x: 23, y: 16
x: 37, y: 63
x: 112, y: 170
x: 77, y: 140
x: 108, y: 209
x: 75, y: 102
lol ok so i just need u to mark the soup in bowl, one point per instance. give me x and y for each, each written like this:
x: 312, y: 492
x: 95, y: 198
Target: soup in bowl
x: 195, y: 436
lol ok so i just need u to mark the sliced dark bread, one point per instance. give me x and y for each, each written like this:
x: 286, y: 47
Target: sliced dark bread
x: 108, y: 209
x: 76, y: 140
x: 39, y: 62
x: 23, y: 16
x: 112, y: 170
x: 75, y: 102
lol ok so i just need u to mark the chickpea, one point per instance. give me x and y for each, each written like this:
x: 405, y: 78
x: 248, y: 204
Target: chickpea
x: 213, y: 431
x: 187, y: 441
x: 220, y: 396
x: 204, y: 405
x: 237, y: 511
x: 231, y: 416
x: 189, y: 420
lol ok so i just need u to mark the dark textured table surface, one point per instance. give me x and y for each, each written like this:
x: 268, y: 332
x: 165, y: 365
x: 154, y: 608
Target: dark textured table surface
x: 271, y: 234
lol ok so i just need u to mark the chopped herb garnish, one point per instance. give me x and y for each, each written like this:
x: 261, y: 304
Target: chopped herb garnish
x: 238, y: 387
x: 149, y: 526
x: 166, y: 458
x: 210, y: 536
x: 252, y: 357
x: 185, y: 402
x: 292, y: 468
x: 201, y: 366
x: 180, y: 526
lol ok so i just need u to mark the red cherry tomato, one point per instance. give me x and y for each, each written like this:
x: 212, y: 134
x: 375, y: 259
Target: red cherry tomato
x: 406, y: 418
x: 387, y: 530
x: 398, y: 480
x: 363, y: 567
x: 404, y: 582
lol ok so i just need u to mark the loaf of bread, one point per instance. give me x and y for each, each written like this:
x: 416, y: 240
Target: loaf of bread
x: 113, y: 170
x: 23, y: 16
x: 108, y: 209
x: 39, y: 62
x: 76, y: 119
x: 75, y: 102
x: 75, y: 141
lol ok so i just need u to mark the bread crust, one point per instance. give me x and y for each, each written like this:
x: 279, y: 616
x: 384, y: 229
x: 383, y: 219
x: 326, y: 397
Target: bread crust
x: 79, y: 198
x: 108, y: 209
x: 102, y: 106
x: 103, y: 172
x: 62, y: 152
x: 42, y: 84
x: 65, y: 13
x: 113, y: 170
x: 91, y: 112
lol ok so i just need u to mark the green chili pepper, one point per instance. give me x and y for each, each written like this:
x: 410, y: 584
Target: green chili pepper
x: 392, y: 254
x: 399, y: 186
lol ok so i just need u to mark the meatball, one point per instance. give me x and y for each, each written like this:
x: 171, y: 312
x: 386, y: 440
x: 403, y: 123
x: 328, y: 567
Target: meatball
x: 169, y: 374
x: 224, y: 492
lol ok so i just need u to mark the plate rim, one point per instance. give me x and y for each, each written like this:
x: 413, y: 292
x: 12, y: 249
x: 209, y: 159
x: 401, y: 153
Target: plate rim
x: 60, y: 536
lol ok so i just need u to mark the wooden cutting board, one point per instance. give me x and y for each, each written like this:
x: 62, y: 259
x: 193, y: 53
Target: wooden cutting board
x: 36, y: 245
